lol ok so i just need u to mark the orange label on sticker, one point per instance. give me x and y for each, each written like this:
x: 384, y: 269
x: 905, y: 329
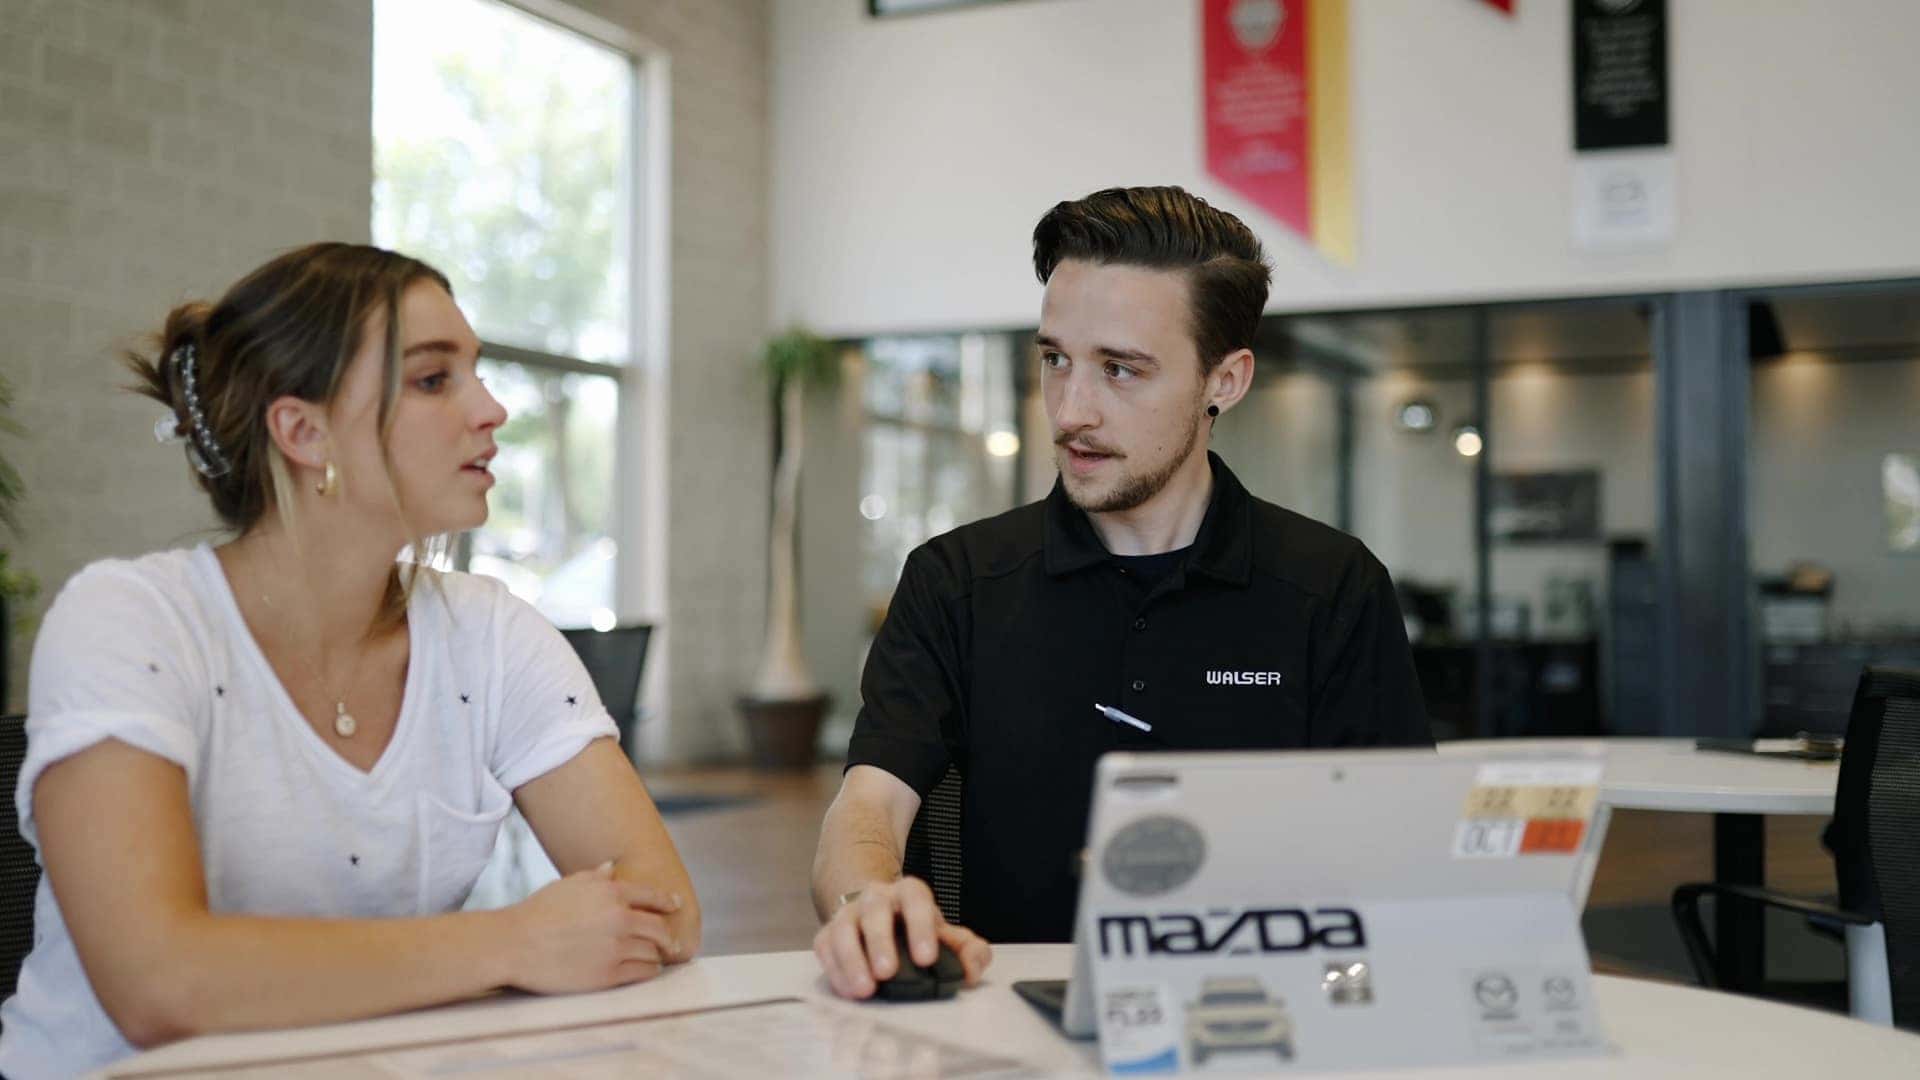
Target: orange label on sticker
x: 1552, y: 836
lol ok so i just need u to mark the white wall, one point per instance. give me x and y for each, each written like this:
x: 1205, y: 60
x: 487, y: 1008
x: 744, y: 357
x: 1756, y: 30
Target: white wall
x: 912, y: 156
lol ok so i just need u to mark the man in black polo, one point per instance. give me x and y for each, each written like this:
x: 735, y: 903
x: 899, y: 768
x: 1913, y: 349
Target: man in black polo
x: 1149, y: 582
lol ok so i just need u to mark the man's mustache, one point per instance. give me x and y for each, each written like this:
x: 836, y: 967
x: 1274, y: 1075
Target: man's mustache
x: 1086, y: 446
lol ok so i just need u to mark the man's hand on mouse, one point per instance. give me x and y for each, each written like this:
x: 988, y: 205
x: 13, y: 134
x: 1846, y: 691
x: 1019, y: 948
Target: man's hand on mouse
x: 856, y: 946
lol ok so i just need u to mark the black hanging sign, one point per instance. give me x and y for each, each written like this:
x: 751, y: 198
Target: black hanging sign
x: 1619, y: 74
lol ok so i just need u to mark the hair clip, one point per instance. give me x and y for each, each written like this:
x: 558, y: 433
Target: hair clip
x: 166, y: 428
x: 202, y: 451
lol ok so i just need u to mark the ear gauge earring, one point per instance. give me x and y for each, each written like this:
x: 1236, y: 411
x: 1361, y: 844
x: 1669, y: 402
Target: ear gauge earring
x: 329, y: 483
x: 1213, y: 410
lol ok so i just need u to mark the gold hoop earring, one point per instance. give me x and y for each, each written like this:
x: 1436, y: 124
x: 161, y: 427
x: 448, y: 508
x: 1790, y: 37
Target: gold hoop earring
x: 329, y: 483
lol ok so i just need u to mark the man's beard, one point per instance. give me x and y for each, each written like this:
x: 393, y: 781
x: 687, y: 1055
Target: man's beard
x: 1134, y: 490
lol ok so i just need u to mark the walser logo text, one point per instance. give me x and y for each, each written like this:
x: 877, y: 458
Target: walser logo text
x: 1243, y: 678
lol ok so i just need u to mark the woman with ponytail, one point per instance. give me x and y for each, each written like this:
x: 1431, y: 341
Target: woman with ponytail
x: 263, y: 775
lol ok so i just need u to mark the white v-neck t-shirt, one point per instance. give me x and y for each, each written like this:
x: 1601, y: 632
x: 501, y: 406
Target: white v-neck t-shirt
x: 153, y: 651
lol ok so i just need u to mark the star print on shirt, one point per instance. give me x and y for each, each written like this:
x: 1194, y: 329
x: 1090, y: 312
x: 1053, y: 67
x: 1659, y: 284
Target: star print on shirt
x: 463, y: 699
x: 354, y: 859
x: 219, y: 691
x: 153, y: 667
x: 571, y: 700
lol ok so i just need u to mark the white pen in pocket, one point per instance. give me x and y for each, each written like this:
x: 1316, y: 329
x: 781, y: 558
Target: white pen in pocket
x: 1119, y: 717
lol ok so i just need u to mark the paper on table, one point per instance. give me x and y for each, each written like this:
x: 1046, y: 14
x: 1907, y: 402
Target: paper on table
x: 780, y: 1037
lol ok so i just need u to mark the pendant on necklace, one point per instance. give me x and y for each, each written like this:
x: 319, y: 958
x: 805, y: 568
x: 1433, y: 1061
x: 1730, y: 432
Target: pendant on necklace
x: 343, y: 723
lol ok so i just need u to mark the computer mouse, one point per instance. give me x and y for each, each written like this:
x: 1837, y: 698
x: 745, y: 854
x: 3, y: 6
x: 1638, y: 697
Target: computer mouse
x: 921, y: 982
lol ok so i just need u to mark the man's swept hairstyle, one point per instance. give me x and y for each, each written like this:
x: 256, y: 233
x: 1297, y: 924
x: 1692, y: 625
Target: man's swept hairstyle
x: 1165, y: 228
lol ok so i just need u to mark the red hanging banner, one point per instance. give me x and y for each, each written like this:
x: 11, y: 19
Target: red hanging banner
x: 1256, y: 104
x: 1503, y: 5
x: 1273, y: 91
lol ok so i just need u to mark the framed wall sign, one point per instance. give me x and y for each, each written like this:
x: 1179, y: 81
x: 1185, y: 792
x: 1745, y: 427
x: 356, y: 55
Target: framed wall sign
x: 1546, y: 507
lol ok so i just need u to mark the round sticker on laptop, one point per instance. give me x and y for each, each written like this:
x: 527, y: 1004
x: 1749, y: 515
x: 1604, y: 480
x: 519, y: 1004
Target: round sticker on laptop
x: 1153, y: 855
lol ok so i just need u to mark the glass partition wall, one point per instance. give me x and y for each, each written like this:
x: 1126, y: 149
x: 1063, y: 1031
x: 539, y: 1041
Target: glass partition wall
x: 1677, y: 514
x: 1570, y: 514
x: 923, y: 433
x: 1498, y: 457
x: 941, y: 445
x: 1833, y: 462
x: 1500, y: 463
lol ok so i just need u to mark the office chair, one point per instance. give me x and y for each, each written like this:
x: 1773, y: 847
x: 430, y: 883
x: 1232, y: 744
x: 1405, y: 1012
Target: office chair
x: 933, y: 844
x: 614, y: 660
x: 1875, y: 840
x: 19, y: 871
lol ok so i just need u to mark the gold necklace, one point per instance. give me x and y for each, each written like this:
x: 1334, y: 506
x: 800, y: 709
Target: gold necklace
x: 344, y: 725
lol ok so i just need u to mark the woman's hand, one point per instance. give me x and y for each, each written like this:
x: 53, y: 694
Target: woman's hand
x: 594, y: 808
x: 590, y: 931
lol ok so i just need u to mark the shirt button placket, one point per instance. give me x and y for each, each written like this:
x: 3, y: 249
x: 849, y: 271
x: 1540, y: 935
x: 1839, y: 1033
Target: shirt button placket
x: 1133, y: 654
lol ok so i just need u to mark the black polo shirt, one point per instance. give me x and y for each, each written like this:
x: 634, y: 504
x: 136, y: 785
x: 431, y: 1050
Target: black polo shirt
x: 1272, y: 632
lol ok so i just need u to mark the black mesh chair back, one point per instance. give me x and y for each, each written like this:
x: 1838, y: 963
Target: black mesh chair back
x: 615, y: 660
x: 933, y: 845
x: 19, y: 871
x: 1875, y: 835
x: 1875, y: 840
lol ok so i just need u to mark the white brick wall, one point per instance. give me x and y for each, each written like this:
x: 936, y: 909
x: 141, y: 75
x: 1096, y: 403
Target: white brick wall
x: 151, y: 151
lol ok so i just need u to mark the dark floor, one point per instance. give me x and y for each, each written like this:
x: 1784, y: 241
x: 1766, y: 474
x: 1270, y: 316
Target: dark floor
x: 1628, y: 923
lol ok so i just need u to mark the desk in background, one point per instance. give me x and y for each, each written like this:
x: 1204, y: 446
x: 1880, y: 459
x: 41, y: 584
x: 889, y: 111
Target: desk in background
x: 1737, y: 789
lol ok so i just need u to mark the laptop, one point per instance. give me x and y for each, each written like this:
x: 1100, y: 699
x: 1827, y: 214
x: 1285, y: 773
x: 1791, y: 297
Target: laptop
x: 1401, y: 830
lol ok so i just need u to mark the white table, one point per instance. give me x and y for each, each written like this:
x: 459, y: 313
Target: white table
x: 1674, y: 775
x: 1659, y: 1029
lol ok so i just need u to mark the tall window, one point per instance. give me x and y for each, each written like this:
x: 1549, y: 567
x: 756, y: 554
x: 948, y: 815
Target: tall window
x: 502, y: 150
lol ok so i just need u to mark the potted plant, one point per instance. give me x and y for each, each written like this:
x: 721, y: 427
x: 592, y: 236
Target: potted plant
x: 17, y: 587
x: 784, y: 707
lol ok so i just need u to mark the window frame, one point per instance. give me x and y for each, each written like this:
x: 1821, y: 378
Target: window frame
x: 638, y: 425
